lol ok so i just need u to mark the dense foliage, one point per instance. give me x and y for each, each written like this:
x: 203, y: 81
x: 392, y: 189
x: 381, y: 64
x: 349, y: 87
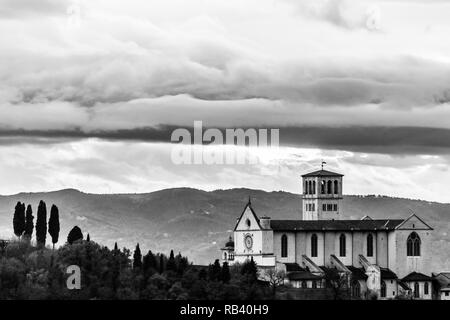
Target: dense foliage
x: 30, y: 271
x: 36, y: 272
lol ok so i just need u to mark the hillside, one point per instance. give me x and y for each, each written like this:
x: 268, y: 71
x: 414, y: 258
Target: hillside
x: 197, y: 223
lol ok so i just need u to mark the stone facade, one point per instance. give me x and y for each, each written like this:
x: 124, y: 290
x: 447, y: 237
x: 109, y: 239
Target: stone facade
x: 321, y: 239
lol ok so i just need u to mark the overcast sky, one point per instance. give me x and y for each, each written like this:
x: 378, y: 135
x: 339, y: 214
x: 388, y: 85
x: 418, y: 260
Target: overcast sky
x: 91, y: 90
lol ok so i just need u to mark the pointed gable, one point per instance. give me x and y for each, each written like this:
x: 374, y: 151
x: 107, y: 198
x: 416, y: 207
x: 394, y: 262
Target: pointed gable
x: 413, y: 222
x: 248, y: 219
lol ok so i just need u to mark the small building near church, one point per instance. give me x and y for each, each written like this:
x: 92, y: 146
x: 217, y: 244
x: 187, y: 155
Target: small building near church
x: 420, y: 285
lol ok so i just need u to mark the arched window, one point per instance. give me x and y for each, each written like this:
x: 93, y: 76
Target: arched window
x: 342, y: 245
x: 336, y: 187
x: 413, y: 245
x: 314, y: 187
x: 314, y: 284
x: 426, y: 288
x: 309, y: 187
x: 322, y: 187
x: 370, y: 245
x: 356, y: 289
x: 224, y: 256
x: 330, y: 187
x: 304, y: 285
x: 305, y: 191
x: 383, y: 289
x: 284, y: 246
x: 416, y: 290
x: 248, y: 223
x: 314, y: 245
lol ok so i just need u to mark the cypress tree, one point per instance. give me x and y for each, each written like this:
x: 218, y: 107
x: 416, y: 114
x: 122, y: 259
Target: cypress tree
x: 29, y: 224
x: 74, y: 235
x: 41, y: 224
x: 88, y: 238
x: 137, y: 258
x: 181, y: 263
x: 19, y: 219
x: 171, y: 262
x: 161, y: 263
x: 53, y: 224
x: 116, y: 248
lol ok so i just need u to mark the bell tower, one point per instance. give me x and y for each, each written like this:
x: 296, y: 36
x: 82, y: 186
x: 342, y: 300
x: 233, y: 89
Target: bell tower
x: 322, y: 195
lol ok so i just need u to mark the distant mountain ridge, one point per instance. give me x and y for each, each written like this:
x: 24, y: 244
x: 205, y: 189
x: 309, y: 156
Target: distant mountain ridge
x: 197, y: 222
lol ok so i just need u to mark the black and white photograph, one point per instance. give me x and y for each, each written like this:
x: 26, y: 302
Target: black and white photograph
x: 225, y: 150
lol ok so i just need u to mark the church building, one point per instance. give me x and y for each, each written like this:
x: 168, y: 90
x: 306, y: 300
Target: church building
x: 387, y: 257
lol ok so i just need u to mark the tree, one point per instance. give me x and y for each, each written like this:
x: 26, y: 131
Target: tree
x: 225, y: 274
x: 337, y: 281
x: 214, y: 271
x: 29, y: 224
x: 275, y: 278
x: 74, y: 235
x: 171, y: 266
x: 41, y: 224
x: 182, y: 264
x: 161, y: 263
x: 88, y: 238
x: 137, y: 258
x: 250, y: 270
x: 149, y: 264
x: 53, y: 224
x: 116, y: 248
x: 19, y: 219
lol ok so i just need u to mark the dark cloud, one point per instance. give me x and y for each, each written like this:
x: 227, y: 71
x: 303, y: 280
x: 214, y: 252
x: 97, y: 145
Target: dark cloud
x: 384, y: 140
x: 391, y: 140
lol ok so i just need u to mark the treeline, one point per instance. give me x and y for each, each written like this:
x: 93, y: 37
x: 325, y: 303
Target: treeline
x: 36, y: 272
x: 29, y: 271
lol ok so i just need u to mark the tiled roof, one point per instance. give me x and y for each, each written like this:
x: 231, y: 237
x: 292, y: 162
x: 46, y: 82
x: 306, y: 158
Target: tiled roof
x: 416, y: 276
x: 357, y: 273
x: 249, y: 205
x: 293, y: 267
x: 337, y: 225
x: 303, y: 275
x: 445, y: 274
x: 322, y: 173
x: 387, y: 274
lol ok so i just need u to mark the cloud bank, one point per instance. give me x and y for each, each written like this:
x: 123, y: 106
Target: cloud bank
x: 339, y: 76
